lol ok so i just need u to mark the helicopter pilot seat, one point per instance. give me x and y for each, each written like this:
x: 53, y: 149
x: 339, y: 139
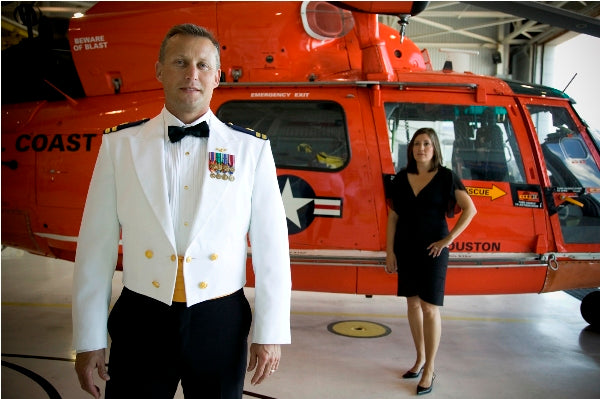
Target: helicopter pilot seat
x: 463, y: 154
x: 491, y: 161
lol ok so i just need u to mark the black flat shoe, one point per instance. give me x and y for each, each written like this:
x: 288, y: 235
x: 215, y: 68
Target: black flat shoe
x: 422, y: 390
x: 411, y: 374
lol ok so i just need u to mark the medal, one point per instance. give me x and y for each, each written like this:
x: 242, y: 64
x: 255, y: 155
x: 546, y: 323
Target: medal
x: 212, y: 164
x: 231, y: 168
x: 221, y: 166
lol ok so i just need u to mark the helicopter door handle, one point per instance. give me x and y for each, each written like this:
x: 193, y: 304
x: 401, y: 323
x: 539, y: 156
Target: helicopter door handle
x: 571, y: 200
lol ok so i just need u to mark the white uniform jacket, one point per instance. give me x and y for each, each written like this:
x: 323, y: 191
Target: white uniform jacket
x: 128, y: 200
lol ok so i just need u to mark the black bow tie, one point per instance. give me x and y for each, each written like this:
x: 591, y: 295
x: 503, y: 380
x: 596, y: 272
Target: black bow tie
x: 176, y: 133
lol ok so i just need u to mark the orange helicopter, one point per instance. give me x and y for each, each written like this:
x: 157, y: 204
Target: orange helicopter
x: 339, y: 95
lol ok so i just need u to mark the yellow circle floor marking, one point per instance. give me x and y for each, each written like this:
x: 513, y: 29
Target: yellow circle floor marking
x: 359, y: 329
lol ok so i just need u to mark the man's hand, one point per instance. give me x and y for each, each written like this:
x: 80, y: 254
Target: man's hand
x: 85, y: 363
x: 265, y: 358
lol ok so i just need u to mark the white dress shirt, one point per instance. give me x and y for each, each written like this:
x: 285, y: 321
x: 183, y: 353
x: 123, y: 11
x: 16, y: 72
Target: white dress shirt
x: 185, y: 161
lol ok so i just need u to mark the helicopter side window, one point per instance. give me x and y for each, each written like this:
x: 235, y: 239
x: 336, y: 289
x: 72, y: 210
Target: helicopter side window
x: 304, y: 134
x: 571, y: 169
x: 477, y: 142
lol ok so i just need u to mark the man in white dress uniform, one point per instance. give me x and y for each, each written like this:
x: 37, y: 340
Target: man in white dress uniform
x: 184, y: 203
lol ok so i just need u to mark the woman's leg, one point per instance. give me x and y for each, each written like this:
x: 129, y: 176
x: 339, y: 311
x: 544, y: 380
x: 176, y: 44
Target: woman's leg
x: 432, y: 332
x: 415, y: 321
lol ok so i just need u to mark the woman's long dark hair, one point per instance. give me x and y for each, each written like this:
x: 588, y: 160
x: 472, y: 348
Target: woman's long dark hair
x: 436, y: 161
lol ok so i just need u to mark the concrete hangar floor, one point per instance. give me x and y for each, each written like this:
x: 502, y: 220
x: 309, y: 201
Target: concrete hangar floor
x: 508, y: 346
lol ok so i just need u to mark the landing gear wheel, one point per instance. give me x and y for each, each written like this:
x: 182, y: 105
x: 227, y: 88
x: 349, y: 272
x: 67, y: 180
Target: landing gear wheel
x: 590, y: 308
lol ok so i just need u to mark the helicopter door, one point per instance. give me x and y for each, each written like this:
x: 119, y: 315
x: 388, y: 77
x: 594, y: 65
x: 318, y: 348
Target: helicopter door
x: 573, y: 176
x: 485, y: 149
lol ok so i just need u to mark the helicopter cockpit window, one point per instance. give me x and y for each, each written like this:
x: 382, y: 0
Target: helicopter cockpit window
x: 303, y: 134
x: 478, y: 142
x: 572, y: 172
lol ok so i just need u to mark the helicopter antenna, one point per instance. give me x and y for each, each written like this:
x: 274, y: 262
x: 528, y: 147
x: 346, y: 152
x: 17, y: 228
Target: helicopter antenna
x: 403, y: 23
x: 72, y: 101
x: 568, y: 84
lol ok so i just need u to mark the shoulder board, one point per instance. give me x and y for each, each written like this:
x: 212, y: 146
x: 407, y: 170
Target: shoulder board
x: 125, y: 126
x: 248, y: 131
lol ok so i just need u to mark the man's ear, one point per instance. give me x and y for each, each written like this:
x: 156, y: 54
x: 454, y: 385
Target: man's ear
x: 158, y: 70
x: 217, y: 78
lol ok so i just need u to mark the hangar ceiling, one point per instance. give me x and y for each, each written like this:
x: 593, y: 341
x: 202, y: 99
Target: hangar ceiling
x: 498, y: 23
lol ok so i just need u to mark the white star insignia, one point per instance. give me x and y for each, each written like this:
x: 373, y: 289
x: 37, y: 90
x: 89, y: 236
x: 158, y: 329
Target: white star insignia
x: 292, y: 204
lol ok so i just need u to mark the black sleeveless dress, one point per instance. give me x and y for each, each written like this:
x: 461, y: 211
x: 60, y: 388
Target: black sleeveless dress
x: 422, y: 221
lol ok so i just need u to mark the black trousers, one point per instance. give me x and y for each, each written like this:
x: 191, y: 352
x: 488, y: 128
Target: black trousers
x: 154, y: 346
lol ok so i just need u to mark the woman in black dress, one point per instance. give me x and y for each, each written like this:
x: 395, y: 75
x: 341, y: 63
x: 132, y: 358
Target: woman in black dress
x: 417, y: 243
